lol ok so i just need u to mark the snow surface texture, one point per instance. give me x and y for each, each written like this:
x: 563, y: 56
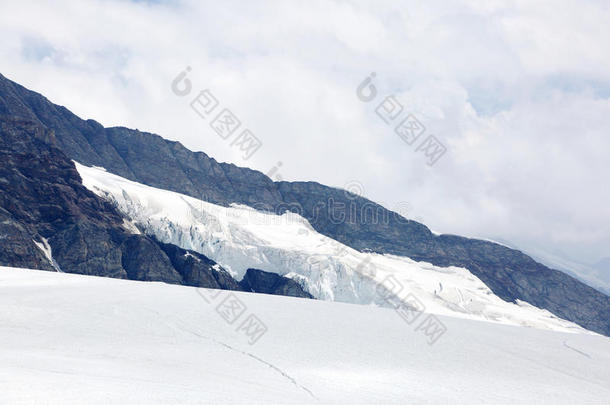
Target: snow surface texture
x: 239, y: 237
x: 70, y: 339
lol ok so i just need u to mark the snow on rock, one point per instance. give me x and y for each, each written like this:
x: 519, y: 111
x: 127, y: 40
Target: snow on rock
x: 240, y: 237
x: 48, y: 252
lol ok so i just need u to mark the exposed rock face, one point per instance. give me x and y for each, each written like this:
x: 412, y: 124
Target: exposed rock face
x: 139, y: 156
x: 17, y: 245
x: 198, y: 270
x: 355, y: 221
x: 271, y: 283
x: 43, y: 205
x: 42, y: 194
x: 143, y: 260
x: 42, y: 199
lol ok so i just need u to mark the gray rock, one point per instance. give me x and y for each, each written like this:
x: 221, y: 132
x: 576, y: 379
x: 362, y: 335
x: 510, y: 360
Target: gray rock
x: 42, y: 196
x: 18, y: 247
x: 260, y: 281
x: 198, y: 270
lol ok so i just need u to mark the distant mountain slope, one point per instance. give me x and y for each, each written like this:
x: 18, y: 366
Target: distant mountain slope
x: 151, y: 160
x: 594, y: 275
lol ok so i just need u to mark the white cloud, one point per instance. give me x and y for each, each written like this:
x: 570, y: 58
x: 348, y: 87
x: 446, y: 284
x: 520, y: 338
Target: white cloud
x: 518, y: 92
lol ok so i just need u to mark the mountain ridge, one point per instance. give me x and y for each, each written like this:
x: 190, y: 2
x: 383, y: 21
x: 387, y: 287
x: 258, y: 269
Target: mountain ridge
x: 150, y: 159
x: 50, y: 221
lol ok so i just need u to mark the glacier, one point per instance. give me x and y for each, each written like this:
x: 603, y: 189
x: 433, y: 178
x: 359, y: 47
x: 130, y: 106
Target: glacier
x: 239, y: 237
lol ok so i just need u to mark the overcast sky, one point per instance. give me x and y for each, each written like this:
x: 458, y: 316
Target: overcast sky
x: 517, y: 91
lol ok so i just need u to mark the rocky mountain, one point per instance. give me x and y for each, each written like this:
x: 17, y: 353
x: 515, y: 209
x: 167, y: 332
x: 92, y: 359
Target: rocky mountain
x: 347, y: 218
x: 49, y: 221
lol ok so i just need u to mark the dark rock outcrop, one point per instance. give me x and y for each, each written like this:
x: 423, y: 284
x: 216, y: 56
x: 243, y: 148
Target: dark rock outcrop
x: 17, y: 245
x: 355, y: 221
x: 271, y: 283
x: 143, y: 260
x: 42, y: 193
x: 198, y: 270
x: 43, y: 205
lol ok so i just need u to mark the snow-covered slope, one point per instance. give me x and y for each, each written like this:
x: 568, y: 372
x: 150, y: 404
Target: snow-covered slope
x: 69, y: 339
x: 240, y: 237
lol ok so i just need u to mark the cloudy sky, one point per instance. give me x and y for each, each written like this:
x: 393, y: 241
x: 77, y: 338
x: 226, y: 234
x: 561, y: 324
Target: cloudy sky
x: 517, y: 91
